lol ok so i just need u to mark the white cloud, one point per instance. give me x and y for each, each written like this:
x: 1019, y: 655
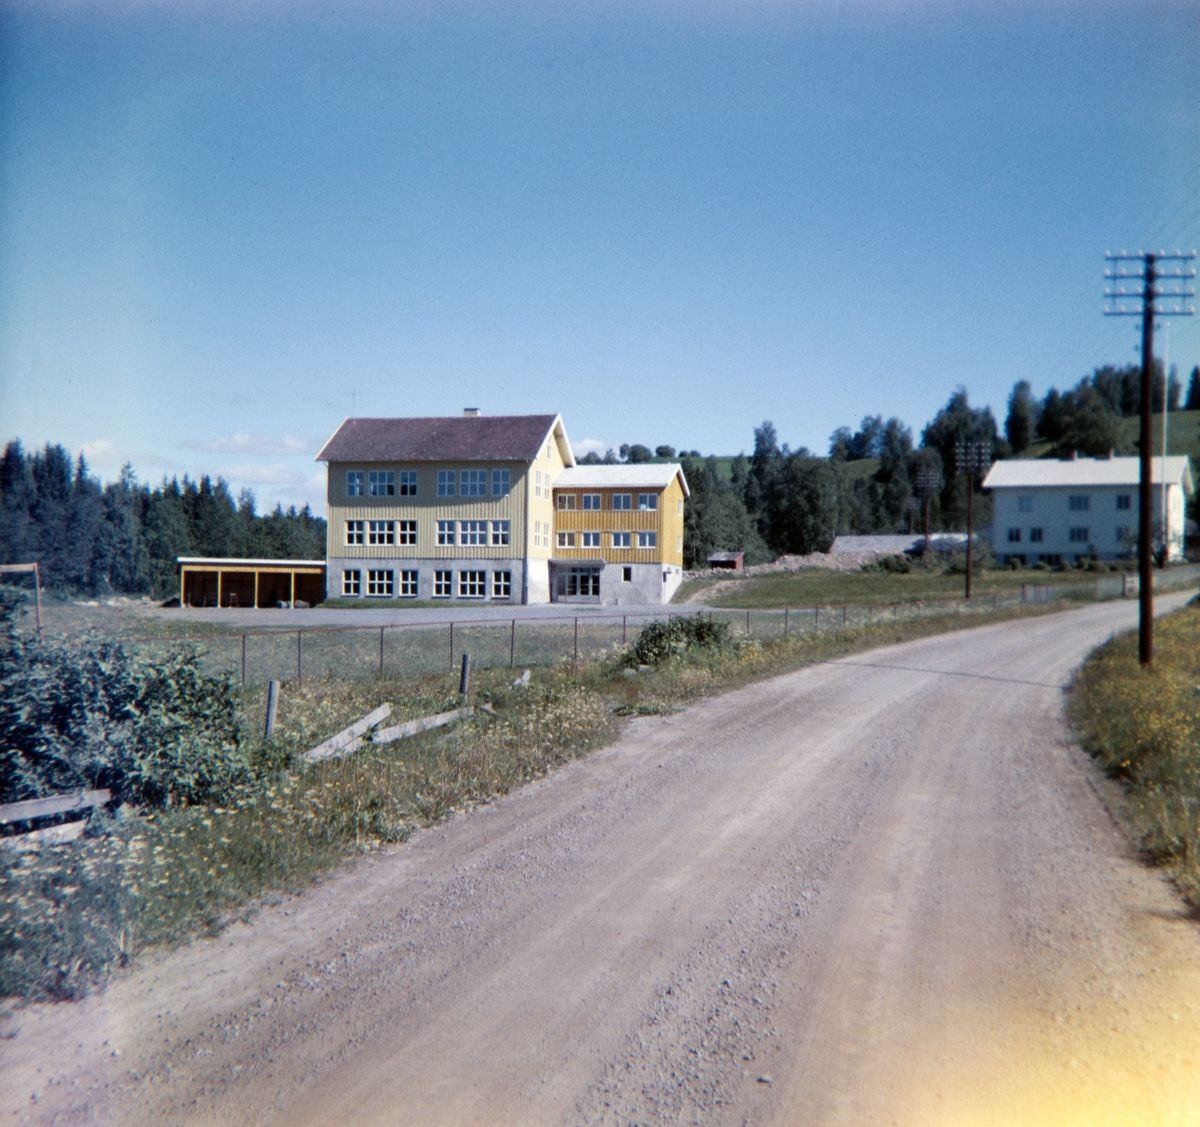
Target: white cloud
x: 102, y: 454
x: 251, y: 473
x: 253, y: 445
x: 589, y: 446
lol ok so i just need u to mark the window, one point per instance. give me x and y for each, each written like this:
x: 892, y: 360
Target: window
x: 351, y: 582
x: 1079, y: 503
x: 1025, y: 504
x: 354, y: 483
x: 679, y: 543
x: 501, y: 483
x: 408, y: 532
x: 679, y: 508
x: 622, y: 502
x: 537, y: 483
x: 1014, y: 536
x: 647, y: 502
x: 591, y: 502
x: 408, y: 584
x: 1035, y: 536
x: 501, y: 533
x: 446, y: 532
x: 537, y: 533
x: 473, y: 483
x: 379, y: 584
x: 354, y: 532
x: 566, y: 500
x: 566, y: 540
x: 579, y: 581
x: 408, y: 483
x: 442, y: 582
x: 473, y: 533
x: 1124, y: 501
x: 445, y: 483
x: 626, y: 575
x: 591, y: 540
x: 381, y: 532
x: 620, y: 539
x: 381, y: 483
x: 501, y: 584
x: 1078, y: 536
x: 647, y: 539
x: 472, y: 584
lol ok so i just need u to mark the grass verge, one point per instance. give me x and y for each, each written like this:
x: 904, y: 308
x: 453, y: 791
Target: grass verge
x: 1143, y: 728
x: 71, y: 913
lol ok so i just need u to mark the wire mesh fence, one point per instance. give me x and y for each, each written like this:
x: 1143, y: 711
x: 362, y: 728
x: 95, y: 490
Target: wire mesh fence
x: 399, y: 650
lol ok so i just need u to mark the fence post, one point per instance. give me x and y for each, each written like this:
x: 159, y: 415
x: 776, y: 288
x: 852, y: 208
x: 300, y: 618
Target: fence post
x: 785, y: 622
x: 512, y: 646
x: 576, y: 639
x: 272, y: 705
x: 299, y: 657
x: 843, y: 616
x: 243, y: 661
x: 817, y: 616
x: 464, y: 682
x: 452, y: 644
x: 381, y: 653
x: 624, y: 620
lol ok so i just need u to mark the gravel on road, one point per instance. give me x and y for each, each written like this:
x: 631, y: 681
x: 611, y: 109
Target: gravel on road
x: 882, y: 890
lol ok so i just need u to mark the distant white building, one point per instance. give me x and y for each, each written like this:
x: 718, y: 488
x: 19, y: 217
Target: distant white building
x: 1065, y: 510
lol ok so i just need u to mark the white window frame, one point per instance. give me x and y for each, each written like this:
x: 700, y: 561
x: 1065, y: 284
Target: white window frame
x: 647, y: 502
x: 566, y: 540
x: 501, y: 533
x: 647, y: 540
x: 1037, y: 536
x: 591, y: 540
x: 447, y: 533
x: 472, y: 584
x: 622, y: 502
x: 1124, y: 502
x: 621, y: 539
x: 443, y: 584
x: 473, y: 533
x: 381, y: 532
x: 1014, y: 536
x: 381, y: 583
x: 537, y: 483
x: 409, y: 584
x: 472, y: 483
x: 501, y: 584
x: 354, y: 483
x: 381, y: 483
x: 1079, y: 503
x: 627, y: 574
x: 566, y: 502
x: 445, y: 483
x: 352, y: 583
x: 354, y: 532
x: 1079, y: 535
x: 407, y: 532
x: 591, y: 502
x: 408, y: 483
x: 501, y: 483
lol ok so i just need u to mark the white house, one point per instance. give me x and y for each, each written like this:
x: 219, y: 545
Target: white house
x: 1064, y: 510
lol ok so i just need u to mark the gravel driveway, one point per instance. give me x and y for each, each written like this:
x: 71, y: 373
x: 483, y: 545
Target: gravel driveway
x: 878, y: 891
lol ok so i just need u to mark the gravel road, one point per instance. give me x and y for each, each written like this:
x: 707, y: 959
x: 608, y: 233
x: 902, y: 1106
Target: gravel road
x: 883, y: 890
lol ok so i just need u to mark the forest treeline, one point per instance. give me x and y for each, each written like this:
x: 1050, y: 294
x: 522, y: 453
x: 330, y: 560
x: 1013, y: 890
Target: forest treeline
x: 123, y: 538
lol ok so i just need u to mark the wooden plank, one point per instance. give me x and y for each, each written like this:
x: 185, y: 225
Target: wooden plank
x: 56, y: 804
x: 51, y: 835
x: 423, y: 724
x: 349, y: 739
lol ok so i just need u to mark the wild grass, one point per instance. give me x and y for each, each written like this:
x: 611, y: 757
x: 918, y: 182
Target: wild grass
x: 1143, y: 727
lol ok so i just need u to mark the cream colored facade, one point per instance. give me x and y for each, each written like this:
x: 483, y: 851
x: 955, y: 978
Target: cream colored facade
x: 401, y: 533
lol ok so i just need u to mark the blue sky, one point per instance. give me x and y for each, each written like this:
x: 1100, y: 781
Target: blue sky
x: 224, y: 227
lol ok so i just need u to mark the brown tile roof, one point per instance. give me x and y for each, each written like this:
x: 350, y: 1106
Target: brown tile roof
x: 456, y: 438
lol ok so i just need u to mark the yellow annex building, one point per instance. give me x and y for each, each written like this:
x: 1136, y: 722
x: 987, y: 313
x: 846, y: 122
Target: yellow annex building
x: 465, y: 508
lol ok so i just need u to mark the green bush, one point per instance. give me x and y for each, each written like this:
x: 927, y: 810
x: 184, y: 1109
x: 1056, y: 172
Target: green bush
x: 661, y: 640
x: 83, y: 714
x: 892, y: 565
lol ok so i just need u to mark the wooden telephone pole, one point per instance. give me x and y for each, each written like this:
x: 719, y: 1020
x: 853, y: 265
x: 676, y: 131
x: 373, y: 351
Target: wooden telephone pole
x: 1161, y: 294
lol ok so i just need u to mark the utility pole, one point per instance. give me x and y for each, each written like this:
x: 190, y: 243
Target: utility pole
x: 929, y: 482
x: 1157, y: 300
x: 973, y: 458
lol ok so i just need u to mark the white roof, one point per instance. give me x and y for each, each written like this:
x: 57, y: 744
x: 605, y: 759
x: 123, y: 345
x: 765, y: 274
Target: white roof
x: 232, y: 563
x: 1034, y: 473
x: 641, y: 475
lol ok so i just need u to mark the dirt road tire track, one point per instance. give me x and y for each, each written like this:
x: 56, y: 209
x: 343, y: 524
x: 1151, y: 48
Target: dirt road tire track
x: 877, y: 891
